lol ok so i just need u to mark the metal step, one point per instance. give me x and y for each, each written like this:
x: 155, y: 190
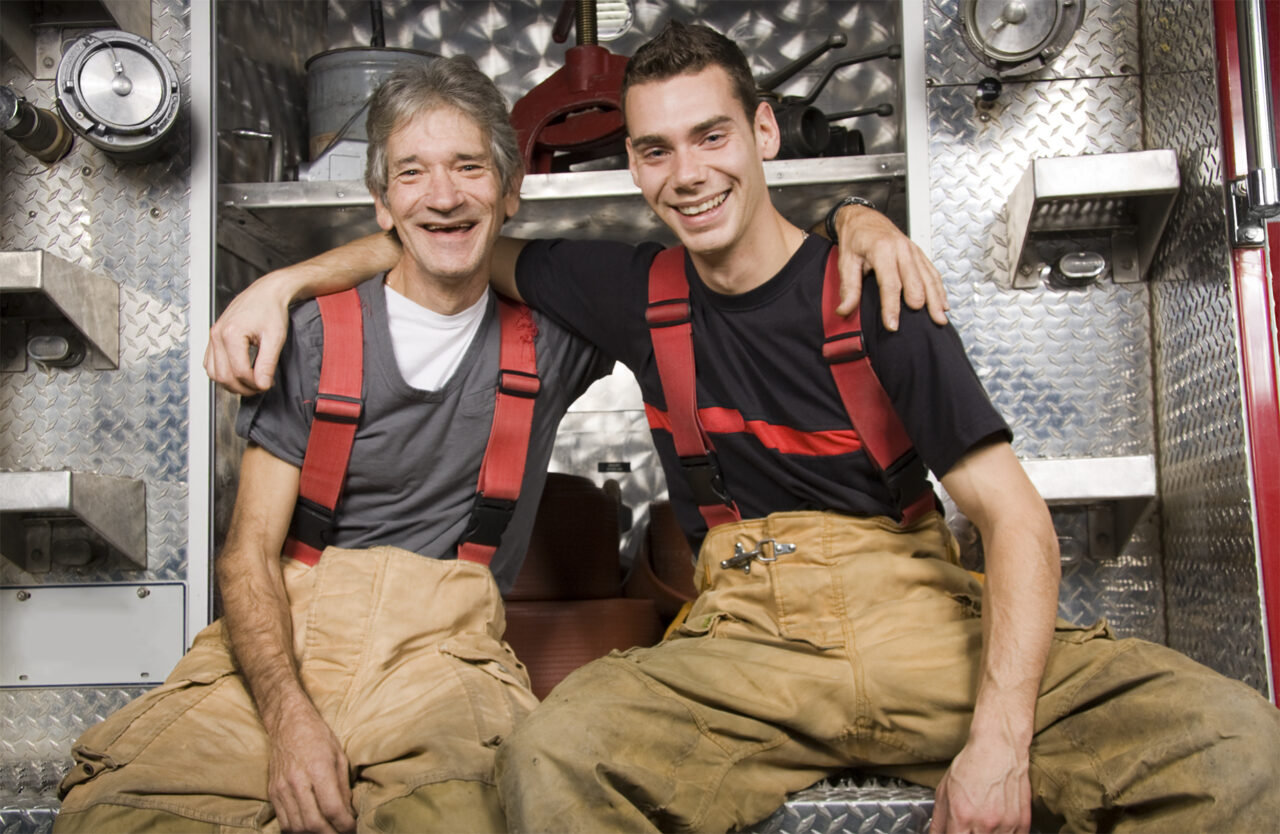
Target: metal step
x: 846, y: 805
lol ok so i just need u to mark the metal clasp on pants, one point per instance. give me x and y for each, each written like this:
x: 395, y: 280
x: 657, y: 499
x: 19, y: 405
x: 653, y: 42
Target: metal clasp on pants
x: 742, y: 558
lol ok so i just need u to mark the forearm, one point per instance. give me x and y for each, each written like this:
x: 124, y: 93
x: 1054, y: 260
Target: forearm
x: 260, y: 629
x: 1018, y: 616
x: 335, y: 270
x: 258, y: 620
x: 1020, y: 600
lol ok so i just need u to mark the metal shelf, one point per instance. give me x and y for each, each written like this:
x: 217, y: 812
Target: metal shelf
x: 272, y: 224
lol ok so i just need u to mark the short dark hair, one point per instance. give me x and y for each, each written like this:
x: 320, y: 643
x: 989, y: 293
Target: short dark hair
x: 680, y: 49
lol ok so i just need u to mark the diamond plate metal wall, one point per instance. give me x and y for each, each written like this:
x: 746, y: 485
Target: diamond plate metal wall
x: 1106, y: 45
x: 129, y: 222
x: 1070, y: 370
x: 511, y: 41
x: 1212, y: 585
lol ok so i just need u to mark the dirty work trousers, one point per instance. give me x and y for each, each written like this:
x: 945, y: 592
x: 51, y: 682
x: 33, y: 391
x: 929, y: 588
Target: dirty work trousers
x: 402, y: 655
x: 861, y: 649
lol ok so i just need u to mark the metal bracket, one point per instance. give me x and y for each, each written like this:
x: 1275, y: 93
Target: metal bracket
x: 742, y: 558
x: 1248, y: 231
x: 1122, y: 199
x: 35, y: 508
x: 49, y: 292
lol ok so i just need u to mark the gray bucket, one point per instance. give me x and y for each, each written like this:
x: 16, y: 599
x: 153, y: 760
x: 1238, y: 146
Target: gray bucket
x: 340, y: 81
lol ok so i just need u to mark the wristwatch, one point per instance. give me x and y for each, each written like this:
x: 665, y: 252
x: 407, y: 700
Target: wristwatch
x: 831, y: 215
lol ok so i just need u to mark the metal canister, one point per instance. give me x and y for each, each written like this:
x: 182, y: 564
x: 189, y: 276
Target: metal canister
x: 339, y: 83
x: 120, y: 92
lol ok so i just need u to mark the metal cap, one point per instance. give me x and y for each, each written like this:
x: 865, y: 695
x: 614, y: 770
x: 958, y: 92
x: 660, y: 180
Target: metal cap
x: 118, y: 90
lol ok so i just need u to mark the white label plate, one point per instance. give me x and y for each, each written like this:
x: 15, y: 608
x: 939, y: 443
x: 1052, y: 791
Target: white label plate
x: 90, y: 635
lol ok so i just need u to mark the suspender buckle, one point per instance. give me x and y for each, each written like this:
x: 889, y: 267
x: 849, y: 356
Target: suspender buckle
x: 907, y: 479
x: 844, y: 347
x: 336, y: 408
x: 669, y: 313
x: 312, y: 523
x: 702, y: 474
x: 489, y: 520
x: 519, y: 383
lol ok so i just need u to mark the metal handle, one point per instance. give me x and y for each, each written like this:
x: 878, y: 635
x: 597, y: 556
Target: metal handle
x: 1260, y: 140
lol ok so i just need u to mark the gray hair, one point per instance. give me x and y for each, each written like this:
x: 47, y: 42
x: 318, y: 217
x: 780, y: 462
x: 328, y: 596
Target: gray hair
x: 419, y: 87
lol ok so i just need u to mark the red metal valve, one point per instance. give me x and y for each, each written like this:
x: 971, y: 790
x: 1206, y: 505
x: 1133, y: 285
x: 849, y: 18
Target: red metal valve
x: 577, y: 112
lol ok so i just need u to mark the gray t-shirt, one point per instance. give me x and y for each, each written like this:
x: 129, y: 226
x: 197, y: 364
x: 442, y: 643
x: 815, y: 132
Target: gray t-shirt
x: 416, y: 458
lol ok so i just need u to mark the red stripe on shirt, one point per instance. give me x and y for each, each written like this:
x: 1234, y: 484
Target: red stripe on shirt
x: 783, y: 439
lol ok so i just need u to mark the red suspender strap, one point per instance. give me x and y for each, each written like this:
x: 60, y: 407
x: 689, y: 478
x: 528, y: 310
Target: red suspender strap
x: 502, y: 470
x: 869, y: 407
x: 333, y: 429
x: 671, y: 329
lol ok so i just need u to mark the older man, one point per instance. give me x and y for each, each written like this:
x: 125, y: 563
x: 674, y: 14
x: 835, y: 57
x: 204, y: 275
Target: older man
x: 367, y: 684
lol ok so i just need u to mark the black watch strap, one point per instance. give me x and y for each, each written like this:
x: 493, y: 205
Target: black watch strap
x: 831, y: 215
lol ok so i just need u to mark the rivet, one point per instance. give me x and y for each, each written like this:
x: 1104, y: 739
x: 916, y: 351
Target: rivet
x: 86, y: 171
x: 23, y: 596
x: 47, y: 62
x: 143, y: 593
x: 31, y: 215
x: 155, y: 212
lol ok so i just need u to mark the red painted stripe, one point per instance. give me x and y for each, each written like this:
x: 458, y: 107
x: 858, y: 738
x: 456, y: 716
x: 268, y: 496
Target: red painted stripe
x: 1256, y: 313
x: 783, y: 439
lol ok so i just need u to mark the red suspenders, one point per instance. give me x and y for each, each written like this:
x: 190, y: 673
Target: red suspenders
x: 870, y: 410
x: 338, y: 408
x: 333, y: 429
x: 502, y: 469
x: 671, y: 329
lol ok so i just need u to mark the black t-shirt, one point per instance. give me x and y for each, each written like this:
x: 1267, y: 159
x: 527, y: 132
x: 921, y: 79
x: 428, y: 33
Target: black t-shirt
x: 766, y: 397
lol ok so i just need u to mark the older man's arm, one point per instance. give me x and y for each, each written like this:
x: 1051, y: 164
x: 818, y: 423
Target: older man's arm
x: 309, y: 782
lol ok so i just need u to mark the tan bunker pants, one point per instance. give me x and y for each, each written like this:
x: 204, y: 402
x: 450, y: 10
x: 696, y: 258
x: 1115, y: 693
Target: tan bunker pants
x: 862, y: 648
x: 403, y: 657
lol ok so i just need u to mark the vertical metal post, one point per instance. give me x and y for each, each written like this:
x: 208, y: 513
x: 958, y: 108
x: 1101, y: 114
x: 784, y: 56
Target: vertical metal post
x: 200, y: 288
x: 1263, y: 178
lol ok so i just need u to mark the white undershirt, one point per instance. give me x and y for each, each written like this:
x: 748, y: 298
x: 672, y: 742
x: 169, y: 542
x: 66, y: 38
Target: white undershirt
x: 428, y: 346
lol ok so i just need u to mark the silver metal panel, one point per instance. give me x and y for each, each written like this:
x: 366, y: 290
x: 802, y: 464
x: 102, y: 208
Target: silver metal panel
x: 37, y: 727
x: 1212, y: 586
x: 91, y: 635
x: 1106, y: 45
x: 128, y: 222
x: 261, y: 84
x: 511, y: 41
x: 1070, y: 370
x: 882, y: 806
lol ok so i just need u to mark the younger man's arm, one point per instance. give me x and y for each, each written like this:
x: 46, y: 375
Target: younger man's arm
x: 309, y: 783
x: 987, y: 787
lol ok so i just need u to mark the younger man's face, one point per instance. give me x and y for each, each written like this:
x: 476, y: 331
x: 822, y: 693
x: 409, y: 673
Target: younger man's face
x: 697, y: 157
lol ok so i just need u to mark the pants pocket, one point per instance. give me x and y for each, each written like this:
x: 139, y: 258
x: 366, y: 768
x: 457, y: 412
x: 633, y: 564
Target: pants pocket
x: 119, y: 739
x: 806, y: 597
x: 495, y: 682
x: 126, y: 733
